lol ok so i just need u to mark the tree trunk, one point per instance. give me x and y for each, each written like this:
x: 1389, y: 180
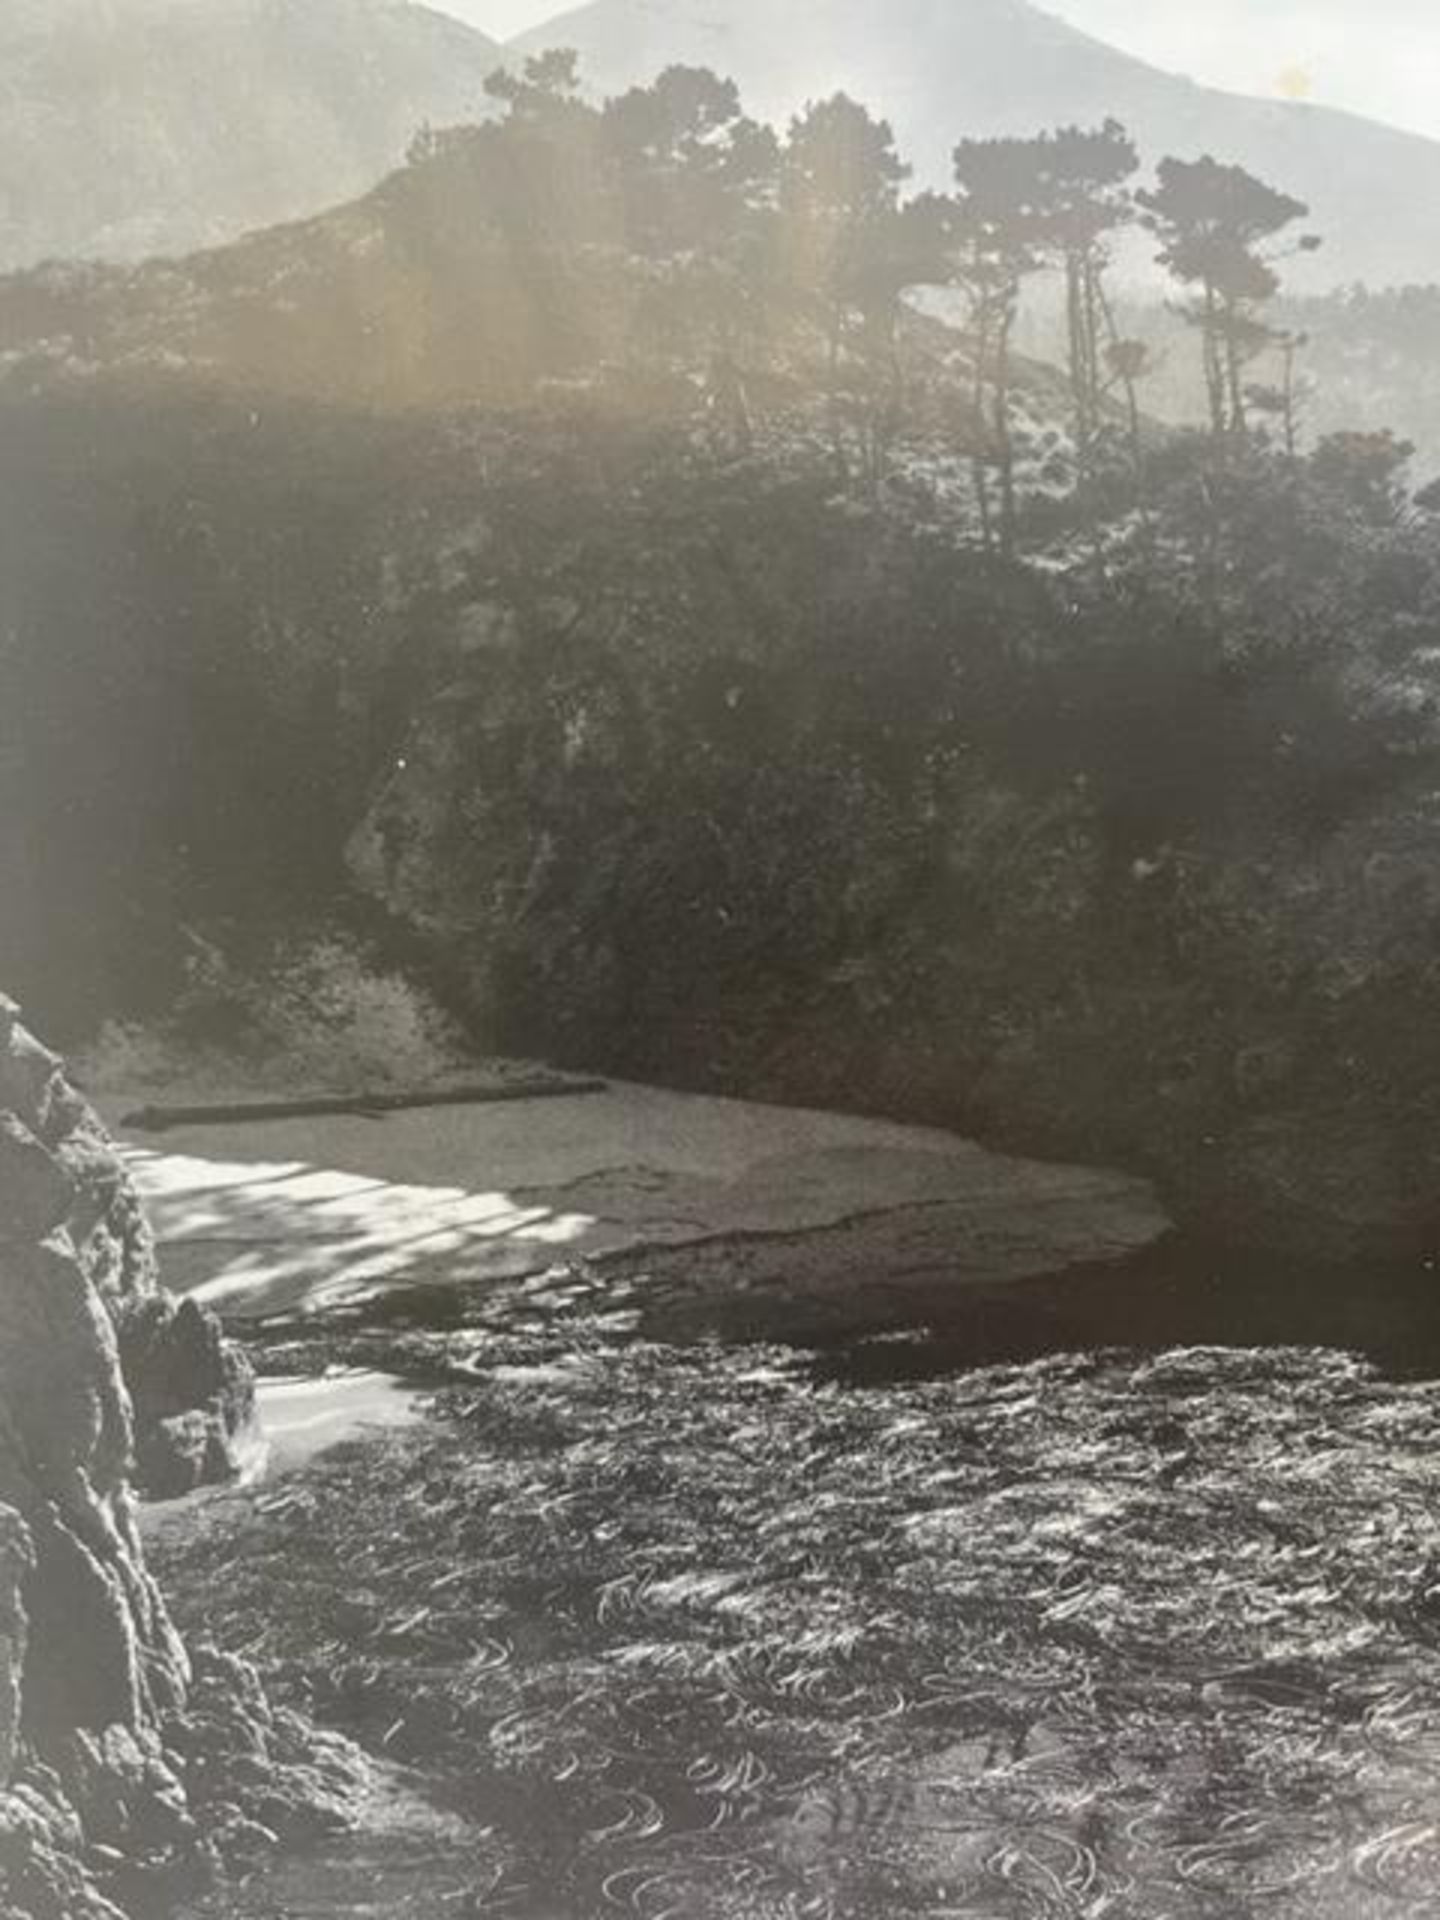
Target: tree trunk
x: 832, y: 384
x: 1004, y: 438
x: 1079, y: 386
x: 1214, y: 370
x: 1234, y: 368
x: 980, y: 322
x: 1127, y: 381
x: 1288, y: 404
x: 1094, y: 308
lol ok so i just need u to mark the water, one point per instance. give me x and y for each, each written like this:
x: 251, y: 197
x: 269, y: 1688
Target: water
x: 1180, y: 1293
x: 945, y: 1621
x: 303, y: 1416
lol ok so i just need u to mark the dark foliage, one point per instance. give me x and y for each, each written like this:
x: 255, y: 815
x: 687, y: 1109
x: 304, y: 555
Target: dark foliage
x: 691, y: 715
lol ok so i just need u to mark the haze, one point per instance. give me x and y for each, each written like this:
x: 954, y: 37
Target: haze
x: 1277, y: 47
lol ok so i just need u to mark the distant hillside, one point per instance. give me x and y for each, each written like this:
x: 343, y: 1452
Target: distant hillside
x: 940, y: 69
x: 135, y: 127
x: 454, y: 282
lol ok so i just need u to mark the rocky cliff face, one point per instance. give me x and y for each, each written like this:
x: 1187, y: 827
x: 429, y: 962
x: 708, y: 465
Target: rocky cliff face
x: 117, y: 1744
x: 64, y: 1199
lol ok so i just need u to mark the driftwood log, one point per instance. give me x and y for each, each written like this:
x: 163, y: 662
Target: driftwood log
x: 157, y: 1119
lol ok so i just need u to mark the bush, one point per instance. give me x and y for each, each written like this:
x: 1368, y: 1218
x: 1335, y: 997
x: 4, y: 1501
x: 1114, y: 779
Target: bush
x: 317, y: 1008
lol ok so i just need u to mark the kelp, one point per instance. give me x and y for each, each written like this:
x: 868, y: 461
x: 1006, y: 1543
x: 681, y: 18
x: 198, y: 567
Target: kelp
x: 690, y: 1632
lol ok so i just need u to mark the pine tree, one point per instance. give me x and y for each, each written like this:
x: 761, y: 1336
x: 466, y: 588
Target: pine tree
x: 843, y: 241
x: 999, y: 235
x: 1217, y: 226
x: 1082, y: 198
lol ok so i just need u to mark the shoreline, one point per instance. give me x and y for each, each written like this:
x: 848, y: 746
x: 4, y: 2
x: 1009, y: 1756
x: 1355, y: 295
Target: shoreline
x: 294, y: 1216
x: 739, y: 1493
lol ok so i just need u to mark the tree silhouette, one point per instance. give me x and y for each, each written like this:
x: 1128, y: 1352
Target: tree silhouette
x: 692, y: 165
x: 1217, y: 225
x: 1129, y: 362
x: 696, y: 179
x: 545, y: 88
x: 1082, y: 199
x: 1000, y: 228
x: 1281, y: 400
x: 537, y: 170
x: 844, y: 243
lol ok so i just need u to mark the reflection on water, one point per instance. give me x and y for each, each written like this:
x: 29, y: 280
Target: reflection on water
x: 408, y: 1861
x: 303, y: 1417
x: 1176, y: 1294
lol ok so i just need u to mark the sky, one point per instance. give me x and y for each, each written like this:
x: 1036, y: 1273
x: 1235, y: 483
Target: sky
x: 1378, y: 57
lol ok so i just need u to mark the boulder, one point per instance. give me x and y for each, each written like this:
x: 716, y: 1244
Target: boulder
x: 193, y: 1395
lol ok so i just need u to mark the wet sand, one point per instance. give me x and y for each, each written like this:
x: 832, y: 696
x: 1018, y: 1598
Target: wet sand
x: 304, y: 1216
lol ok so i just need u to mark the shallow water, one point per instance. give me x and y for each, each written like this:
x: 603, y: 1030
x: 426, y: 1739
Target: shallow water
x: 408, y: 1861
x: 1178, y: 1293
x: 303, y: 1416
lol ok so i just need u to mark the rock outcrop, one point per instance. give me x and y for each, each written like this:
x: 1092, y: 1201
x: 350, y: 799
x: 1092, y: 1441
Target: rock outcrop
x: 116, y: 1743
x: 192, y: 1396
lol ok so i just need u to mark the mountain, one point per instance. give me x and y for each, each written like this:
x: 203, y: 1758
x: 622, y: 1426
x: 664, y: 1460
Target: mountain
x: 941, y: 69
x: 135, y: 127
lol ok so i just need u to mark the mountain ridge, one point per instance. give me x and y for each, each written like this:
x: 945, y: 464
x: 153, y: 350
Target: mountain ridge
x: 161, y: 126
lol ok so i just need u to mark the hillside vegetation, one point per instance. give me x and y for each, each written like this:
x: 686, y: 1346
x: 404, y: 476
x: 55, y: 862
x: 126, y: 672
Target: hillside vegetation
x: 1360, y: 355
x: 700, y: 664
